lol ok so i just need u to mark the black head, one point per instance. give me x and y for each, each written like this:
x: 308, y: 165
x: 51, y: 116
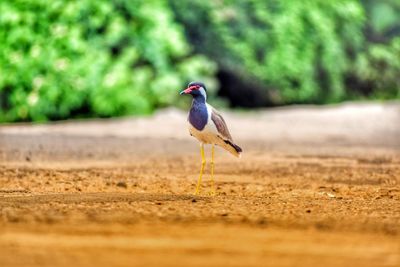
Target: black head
x: 195, y: 89
x: 200, y: 84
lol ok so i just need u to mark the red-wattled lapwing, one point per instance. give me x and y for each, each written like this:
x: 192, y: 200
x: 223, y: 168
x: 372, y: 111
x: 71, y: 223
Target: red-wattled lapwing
x: 208, y: 126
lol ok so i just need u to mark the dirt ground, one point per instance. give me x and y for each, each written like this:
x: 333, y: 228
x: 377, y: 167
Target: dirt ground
x: 316, y: 186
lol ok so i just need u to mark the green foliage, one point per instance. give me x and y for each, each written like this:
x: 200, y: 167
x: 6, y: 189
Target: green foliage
x: 61, y: 59
x: 299, y: 48
x: 95, y: 57
x: 379, y: 67
x: 383, y: 18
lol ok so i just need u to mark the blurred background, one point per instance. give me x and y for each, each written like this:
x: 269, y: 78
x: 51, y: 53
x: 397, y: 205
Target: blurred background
x: 99, y: 58
x: 318, y: 183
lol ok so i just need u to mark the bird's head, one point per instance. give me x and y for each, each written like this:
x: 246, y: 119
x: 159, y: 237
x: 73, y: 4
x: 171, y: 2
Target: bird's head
x: 195, y: 89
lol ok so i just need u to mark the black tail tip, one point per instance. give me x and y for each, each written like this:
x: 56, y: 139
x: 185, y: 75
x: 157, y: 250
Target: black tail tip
x: 236, y: 147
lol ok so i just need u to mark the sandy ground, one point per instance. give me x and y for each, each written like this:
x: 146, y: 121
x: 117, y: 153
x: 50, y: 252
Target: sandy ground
x: 316, y: 186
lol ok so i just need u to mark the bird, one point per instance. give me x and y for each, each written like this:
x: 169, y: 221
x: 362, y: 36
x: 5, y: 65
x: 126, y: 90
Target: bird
x: 208, y: 126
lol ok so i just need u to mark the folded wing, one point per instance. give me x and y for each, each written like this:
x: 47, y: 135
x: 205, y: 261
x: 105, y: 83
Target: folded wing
x: 223, y: 133
x: 221, y: 125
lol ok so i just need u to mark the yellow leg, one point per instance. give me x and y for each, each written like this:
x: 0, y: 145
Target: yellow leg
x: 212, y: 171
x: 203, y: 163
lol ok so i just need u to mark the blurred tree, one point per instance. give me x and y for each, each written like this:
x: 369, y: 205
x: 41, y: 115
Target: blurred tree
x: 383, y: 22
x: 376, y: 72
x: 62, y: 59
x: 92, y: 57
x: 292, y: 51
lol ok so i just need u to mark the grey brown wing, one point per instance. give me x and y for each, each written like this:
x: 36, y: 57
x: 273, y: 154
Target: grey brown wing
x: 221, y: 125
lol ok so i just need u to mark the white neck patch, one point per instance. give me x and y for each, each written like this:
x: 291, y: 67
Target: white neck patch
x: 203, y: 92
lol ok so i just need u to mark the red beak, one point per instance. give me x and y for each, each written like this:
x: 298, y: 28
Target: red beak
x: 187, y: 90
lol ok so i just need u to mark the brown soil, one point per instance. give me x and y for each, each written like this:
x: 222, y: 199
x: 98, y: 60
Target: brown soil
x: 315, y: 187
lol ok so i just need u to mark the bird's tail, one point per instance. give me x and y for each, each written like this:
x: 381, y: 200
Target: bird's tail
x: 232, y: 148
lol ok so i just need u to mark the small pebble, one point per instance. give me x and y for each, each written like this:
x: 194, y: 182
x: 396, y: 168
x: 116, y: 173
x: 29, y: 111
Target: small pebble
x: 122, y: 184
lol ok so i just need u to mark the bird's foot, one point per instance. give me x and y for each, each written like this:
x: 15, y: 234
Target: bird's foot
x: 197, y: 192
